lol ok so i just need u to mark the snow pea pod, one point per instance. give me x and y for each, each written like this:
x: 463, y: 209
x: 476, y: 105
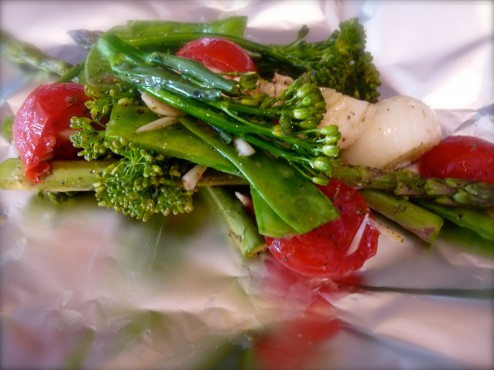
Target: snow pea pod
x: 173, y: 140
x: 268, y: 221
x: 296, y: 200
x: 136, y: 67
x: 138, y: 31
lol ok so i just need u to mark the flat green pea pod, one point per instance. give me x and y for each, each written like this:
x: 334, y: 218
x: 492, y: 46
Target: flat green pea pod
x: 133, y: 65
x: 292, y: 197
x: 146, y: 32
x: 97, y: 71
x: 173, y: 140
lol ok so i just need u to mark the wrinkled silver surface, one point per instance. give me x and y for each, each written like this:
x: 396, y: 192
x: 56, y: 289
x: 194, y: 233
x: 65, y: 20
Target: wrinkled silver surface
x: 81, y: 285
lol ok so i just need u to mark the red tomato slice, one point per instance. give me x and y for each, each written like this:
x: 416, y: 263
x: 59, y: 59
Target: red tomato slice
x: 42, y: 126
x: 220, y: 55
x: 330, y: 250
x: 463, y: 157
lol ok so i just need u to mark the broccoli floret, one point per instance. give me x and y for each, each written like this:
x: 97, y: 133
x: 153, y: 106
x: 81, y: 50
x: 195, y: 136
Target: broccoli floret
x: 300, y: 106
x: 138, y: 183
x: 90, y: 132
x: 90, y: 138
x: 339, y: 62
x: 285, y: 126
x: 143, y: 183
x: 102, y: 100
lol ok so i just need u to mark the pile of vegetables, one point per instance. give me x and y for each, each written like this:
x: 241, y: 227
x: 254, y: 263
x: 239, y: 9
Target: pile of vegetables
x: 291, y: 142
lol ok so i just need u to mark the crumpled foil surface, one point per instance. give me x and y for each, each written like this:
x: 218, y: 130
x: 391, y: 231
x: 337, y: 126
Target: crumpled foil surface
x: 84, y: 287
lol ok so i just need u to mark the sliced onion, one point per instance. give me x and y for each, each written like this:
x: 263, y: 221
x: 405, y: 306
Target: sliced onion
x: 243, y: 147
x: 158, y: 124
x: 358, y: 235
x: 159, y: 107
x: 349, y: 114
x: 245, y: 200
x: 403, y: 128
x: 192, y: 177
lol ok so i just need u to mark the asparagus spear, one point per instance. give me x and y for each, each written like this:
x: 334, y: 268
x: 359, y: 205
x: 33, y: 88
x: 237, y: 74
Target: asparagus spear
x: 426, y: 225
x: 403, y: 182
x: 74, y: 176
x: 81, y: 175
x: 241, y: 225
x: 26, y: 54
x: 470, y: 218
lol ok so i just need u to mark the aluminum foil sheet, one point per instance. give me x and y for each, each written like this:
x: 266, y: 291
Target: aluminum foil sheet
x: 83, y: 287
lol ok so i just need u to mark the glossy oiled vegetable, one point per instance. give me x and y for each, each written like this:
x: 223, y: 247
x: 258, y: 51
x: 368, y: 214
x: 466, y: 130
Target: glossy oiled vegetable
x: 41, y: 127
x: 340, y: 61
x: 297, y: 111
x: 292, y: 197
x: 401, y: 129
x: 218, y: 54
x: 465, y: 157
x: 271, y: 142
x: 335, y: 248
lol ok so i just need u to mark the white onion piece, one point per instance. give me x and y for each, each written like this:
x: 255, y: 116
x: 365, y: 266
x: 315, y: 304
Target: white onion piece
x: 349, y: 114
x: 158, y: 124
x: 403, y: 128
x: 244, y: 149
x: 358, y: 235
x: 245, y: 200
x: 159, y: 107
x: 192, y: 177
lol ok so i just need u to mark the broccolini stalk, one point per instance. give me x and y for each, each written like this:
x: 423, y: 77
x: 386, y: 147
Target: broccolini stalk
x: 340, y: 62
x: 192, y: 69
x: 295, y: 199
x: 299, y: 108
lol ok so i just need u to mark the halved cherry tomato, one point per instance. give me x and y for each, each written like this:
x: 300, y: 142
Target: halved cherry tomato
x: 42, y: 126
x: 464, y: 157
x: 218, y: 54
x: 330, y: 250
